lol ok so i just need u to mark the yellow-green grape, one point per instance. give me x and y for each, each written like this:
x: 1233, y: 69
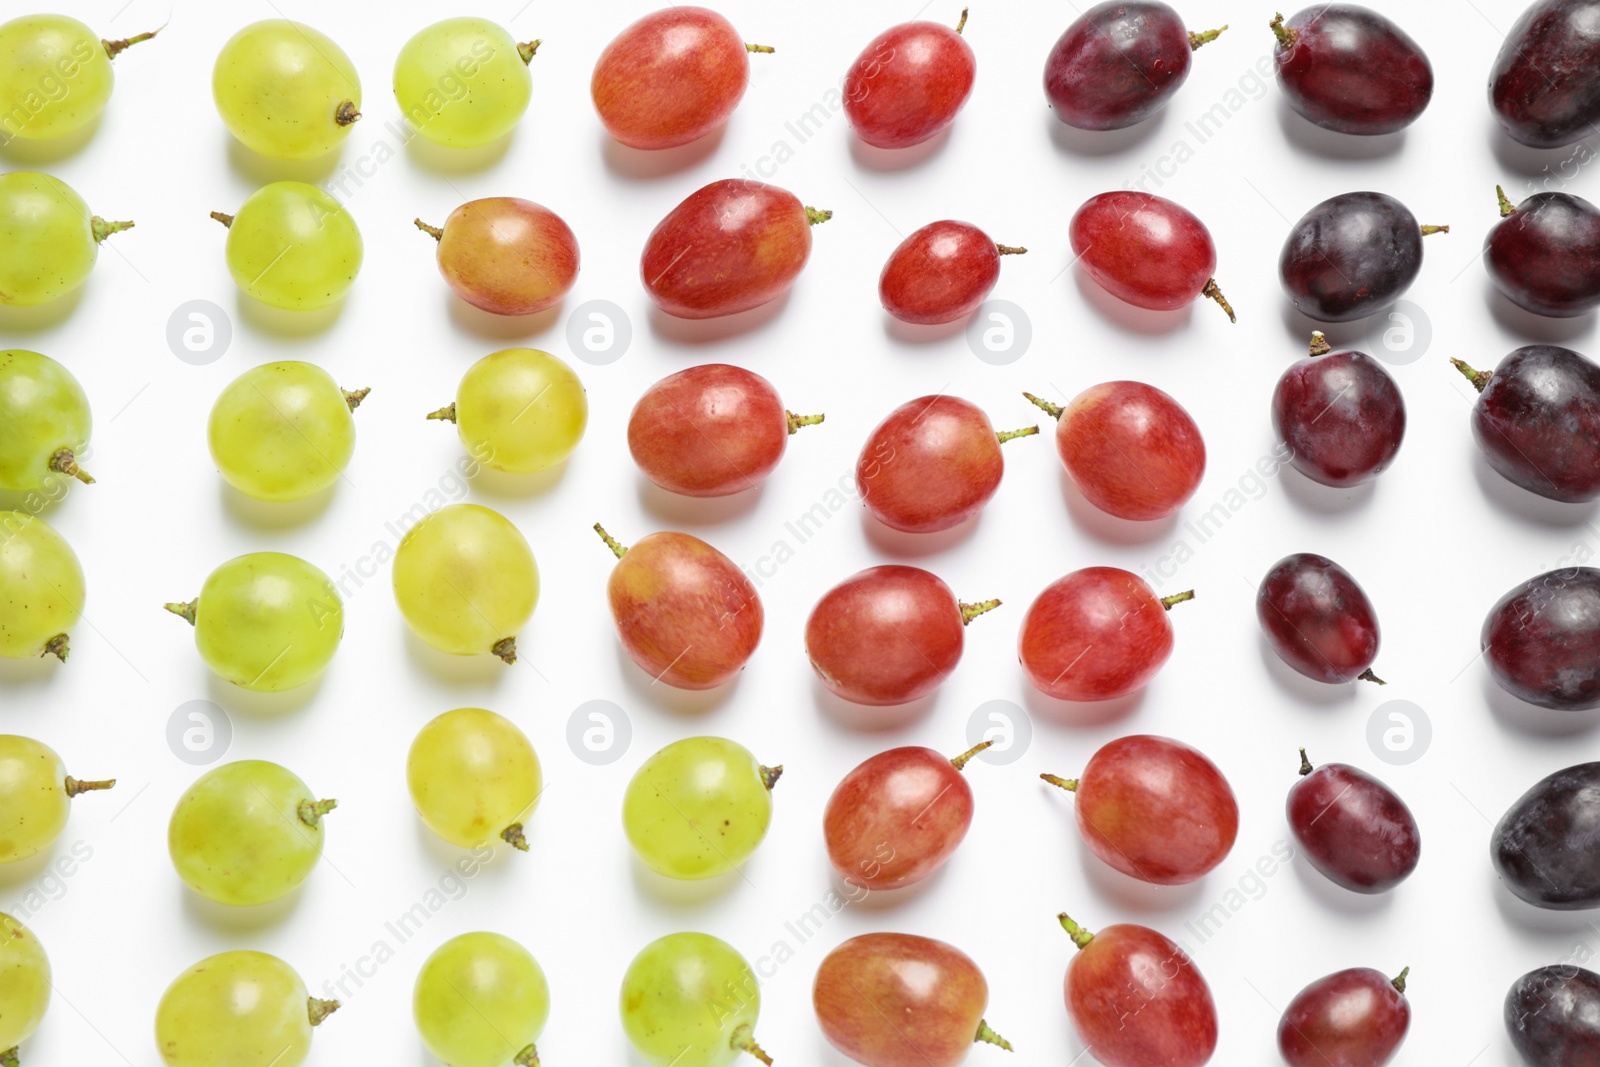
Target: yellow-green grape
x: 481, y: 1000
x: 466, y: 582
x: 35, y: 796
x: 238, y: 1009
x: 48, y: 239
x: 24, y: 986
x: 283, y: 431
x: 41, y: 588
x: 690, y: 1000
x: 699, y: 807
x: 293, y: 246
x: 285, y: 90
x: 519, y: 410
x: 55, y: 75
x: 247, y: 833
x: 266, y: 621
x: 474, y: 777
x: 464, y: 82
x: 46, y: 419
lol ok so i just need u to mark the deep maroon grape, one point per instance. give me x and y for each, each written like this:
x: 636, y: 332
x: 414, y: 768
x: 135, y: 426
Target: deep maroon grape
x: 1341, y: 415
x: 1544, y: 254
x: 1545, y: 83
x: 1553, y: 1017
x: 1318, y: 619
x: 1119, y: 63
x: 1349, y: 69
x: 1542, y: 640
x: 1352, y: 255
x: 1352, y: 827
x: 1538, y: 420
x: 1546, y: 846
x: 1352, y: 1018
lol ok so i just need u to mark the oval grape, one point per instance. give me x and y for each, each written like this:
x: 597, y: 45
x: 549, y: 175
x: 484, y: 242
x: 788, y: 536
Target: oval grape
x: 1349, y: 69
x: 283, y: 431
x: 463, y: 82
x: 1352, y: 827
x: 293, y: 246
x: 1553, y: 1015
x: 24, y: 985
x: 466, y: 581
x: 941, y: 273
x: 474, y: 778
x: 1546, y: 847
x: 35, y: 798
x: 1119, y: 63
x: 286, y: 90
x: 1146, y: 250
x: 57, y: 79
x: 1541, y: 640
x: 1544, y: 254
x: 1340, y: 415
x: 699, y: 808
x: 506, y: 255
x: 52, y: 241
x: 909, y: 83
x: 481, y: 1000
x: 41, y: 588
x: 1318, y: 619
x: 664, y: 999
x: 1544, y: 86
x: 1096, y: 634
x: 238, y: 1008
x: 47, y: 421
x: 1356, y: 1017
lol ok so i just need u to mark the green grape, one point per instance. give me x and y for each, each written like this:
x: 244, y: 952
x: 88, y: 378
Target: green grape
x: 57, y: 75
x: 519, y: 410
x: 24, y: 986
x: 266, y: 621
x: 466, y: 581
x: 35, y: 795
x: 285, y: 90
x: 238, y: 1009
x: 690, y: 1000
x: 46, y: 420
x: 50, y: 239
x: 283, y: 431
x: 474, y: 777
x: 247, y: 833
x: 464, y: 82
x: 699, y: 807
x: 481, y: 1000
x: 41, y: 588
x: 293, y: 246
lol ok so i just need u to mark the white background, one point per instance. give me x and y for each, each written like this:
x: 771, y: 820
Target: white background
x: 1435, y: 542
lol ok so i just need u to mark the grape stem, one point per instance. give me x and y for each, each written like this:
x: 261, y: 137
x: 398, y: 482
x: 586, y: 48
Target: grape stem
x: 528, y: 1057
x: 987, y: 1034
x: 963, y: 23
x: 223, y: 217
x: 185, y: 611
x: 346, y: 114
x: 1053, y: 410
x: 354, y: 397
x: 745, y: 1041
x: 1429, y: 231
x: 318, y: 1010
x: 1286, y: 36
x: 1168, y: 602
x: 513, y: 836
x: 1478, y: 378
x: 1399, y: 980
x: 1368, y: 676
x: 1506, y: 207
x: 1319, y: 343
x: 617, y: 548
x: 1080, y: 936
x: 760, y: 49
x: 1010, y: 250
x: 444, y: 414
x: 64, y: 462
x: 58, y: 647
x: 8, y: 1058
x: 972, y: 611
x: 527, y: 51
x: 432, y: 231
x: 1214, y: 293
x: 1011, y: 435
x: 797, y: 421
x: 1305, y: 764
x: 817, y: 218
x: 76, y: 786
x: 506, y: 649
x: 101, y: 229
x: 116, y: 48
x: 770, y: 776
x: 312, y: 811
x: 1069, y: 784
x: 961, y: 761
x: 1204, y: 37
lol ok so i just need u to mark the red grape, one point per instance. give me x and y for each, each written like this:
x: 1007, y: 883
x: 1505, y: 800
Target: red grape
x: 1352, y: 827
x: 711, y: 430
x: 1542, y: 640
x: 671, y: 78
x: 1537, y: 420
x: 1545, y: 847
x: 909, y: 83
x: 1349, y: 69
x: 941, y: 273
x: 1146, y: 250
x: 1544, y: 254
x: 1096, y: 634
x: 1352, y: 1018
x: 1119, y: 63
x: 1318, y: 619
x: 1340, y: 414
x: 686, y: 614
x: 1351, y: 256
x: 1545, y: 83
x: 1553, y: 1016
x: 506, y: 256
x: 729, y: 247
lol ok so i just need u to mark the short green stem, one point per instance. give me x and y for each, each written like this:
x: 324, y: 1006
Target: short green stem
x: 961, y: 761
x: 223, y: 217
x: 1214, y: 293
x: 1429, y: 231
x: 1286, y: 36
x: 817, y: 218
x: 444, y: 414
x: 116, y: 48
x: 1305, y: 764
x: 1506, y: 207
x: 8, y: 1058
x: 57, y: 646
x: 1205, y: 37
x: 744, y: 1040
x: 1079, y: 935
x: 617, y: 548
x: 760, y: 49
x: 312, y: 811
x: 1010, y: 250
x: 513, y: 836
x: 961, y: 25
x: 1478, y: 378
x: 987, y: 1035
x: 103, y: 229
x: 186, y: 612
x: 770, y: 776
x: 1319, y: 343
x: 1177, y: 598
x: 1399, y: 981
x: 1053, y: 410
x: 432, y: 231
x: 506, y: 649
x: 1368, y: 676
x: 972, y: 611
x: 1069, y: 784
x: 64, y: 462
x: 319, y: 1010
x: 527, y: 51
x: 77, y: 786
x: 1012, y: 435
x: 797, y: 421
x: 354, y: 397
x: 528, y: 1057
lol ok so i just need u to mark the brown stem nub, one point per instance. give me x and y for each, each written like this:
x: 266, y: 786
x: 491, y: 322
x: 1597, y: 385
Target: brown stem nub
x: 506, y: 649
x: 1506, y: 207
x: 318, y: 1010
x: 312, y: 811
x: 64, y: 462
x: 745, y: 1041
x: 1286, y: 36
x: 617, y: 548
x: 963, y: 23
x: 8, y: 1058
x: 1012, y: 435
x: 116, y: 48
x: 1429, y: 231
x: 184, y: 611
x: 444, y: 414
x: 972, y: 611
x: 101, y: 229
x: 1168, y: 602
x: 1368, y: 676
x: 761, y: 49
x: 817, y: 218
x: 528, y: 1057
x: 76, y: 786
x: 1478, y: 378
x: 770, y: 776
x: 1399, y: 980
x: 529, y: 49
x: 1053, y: 410
x: 222, y: 217
x: 797, y: 421
x: 1010, y: 250
x: 1319, y: 343
x: 987, y: 1034
x: 1204, y: 37
x: 1069, y: 784
x: 513, y: 836
x: 346, y: 114
x: 58, y: 647
x: 1305, y: 764
x: 960, y: 762
x: 432, y: 231
x: 1214, y: 293
x: 1080, y: 936
x: 354, y: 397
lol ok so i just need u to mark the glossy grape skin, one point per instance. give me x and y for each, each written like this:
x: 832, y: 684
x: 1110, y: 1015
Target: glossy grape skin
x: 46, y: 418
x: 665, y: 995
x: 283, y: 431
x: 519, y: 410
x: 1352, y: 1018
x: 685, y: 613
x: 909, y: 83
x: 474, y: 778
x: 246, y: 833
x: 1137, y: 999
x: 51, y: 241
x: 466, y: 581
x: 41, y: 588
x: 1352, y: 827
x: 1318, y: 619
x: 898, y: 816
x: 1541, y: 640
x: 1553, y: 1016
x: 1341, y: 416
x: 286, y: 90
x: 1546, y: 847
x: 1155, y: 809
x: 237, y: 1009
x: 57, y: 73
x: 481, y: 1000
x: 898, y: 1000
x: 1095, y: 634
x: 506, y: 255
x: 463, y: 82
x: 1119, y: 63
x: 699, y: 808
x: 1543, y: 86
x: 1349, y: 69
x: 1537, y: 421
x: 1351, y: 256
x: 24, y: 984
x: 1544, y: 254
x: 1146, y: 251
x: 941, y: 273
x: 35, y: 799
x: 293, y: 246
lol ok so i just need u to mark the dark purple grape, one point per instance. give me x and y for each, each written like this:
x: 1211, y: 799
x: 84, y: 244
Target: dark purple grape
x: 1538, y: 421
x: 1352, y: 827
x: 1318, y: 619
x: 1119, y: 63
x: 1352, y: 255
x: 1544, y: 254
x: 1553, y: 1017
x: 1545, y: 83
x: 1340, y: 414
x: 1349, y: 69
x: 1547, y: 845
x: 1542, y: 640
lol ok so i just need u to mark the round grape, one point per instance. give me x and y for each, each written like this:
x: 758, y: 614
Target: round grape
x: 474, y: 777
x: 666, y: 994
x: 285, y: 90
x: 466, y: 581
x: 46, y: 416
x: 57, y: 75
x: 35, y: 794
x: 519, y: 410
x: 283, y: 431
x: 293, y: 246
x: 24, y: 986
x: 481, y: 1000
x: 237, y: 1009
x: 51, y: 240
x: 41, y: 588
x: 699, y: 807
x: 464, y: 82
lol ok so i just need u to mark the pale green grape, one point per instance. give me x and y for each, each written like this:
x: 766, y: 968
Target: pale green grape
x: 238, y: 1009
x: 46, y: 420
x: 24, y: 986
x: 474, y: 777
x: 466, y: 582
x: 266, y: 621
x: 699, y: 807
x: 246, y: 833
x: 293, y: 246
x: 56, y: 76
x: 481, y: 1000
x: 50, y: 239
x: 519, y: 410
x: 463, y: 82
x: 35, y: 794
x: 690, y: 1000
x: 283, y: 431
x: 41, y: 588
x: 286, y: 90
